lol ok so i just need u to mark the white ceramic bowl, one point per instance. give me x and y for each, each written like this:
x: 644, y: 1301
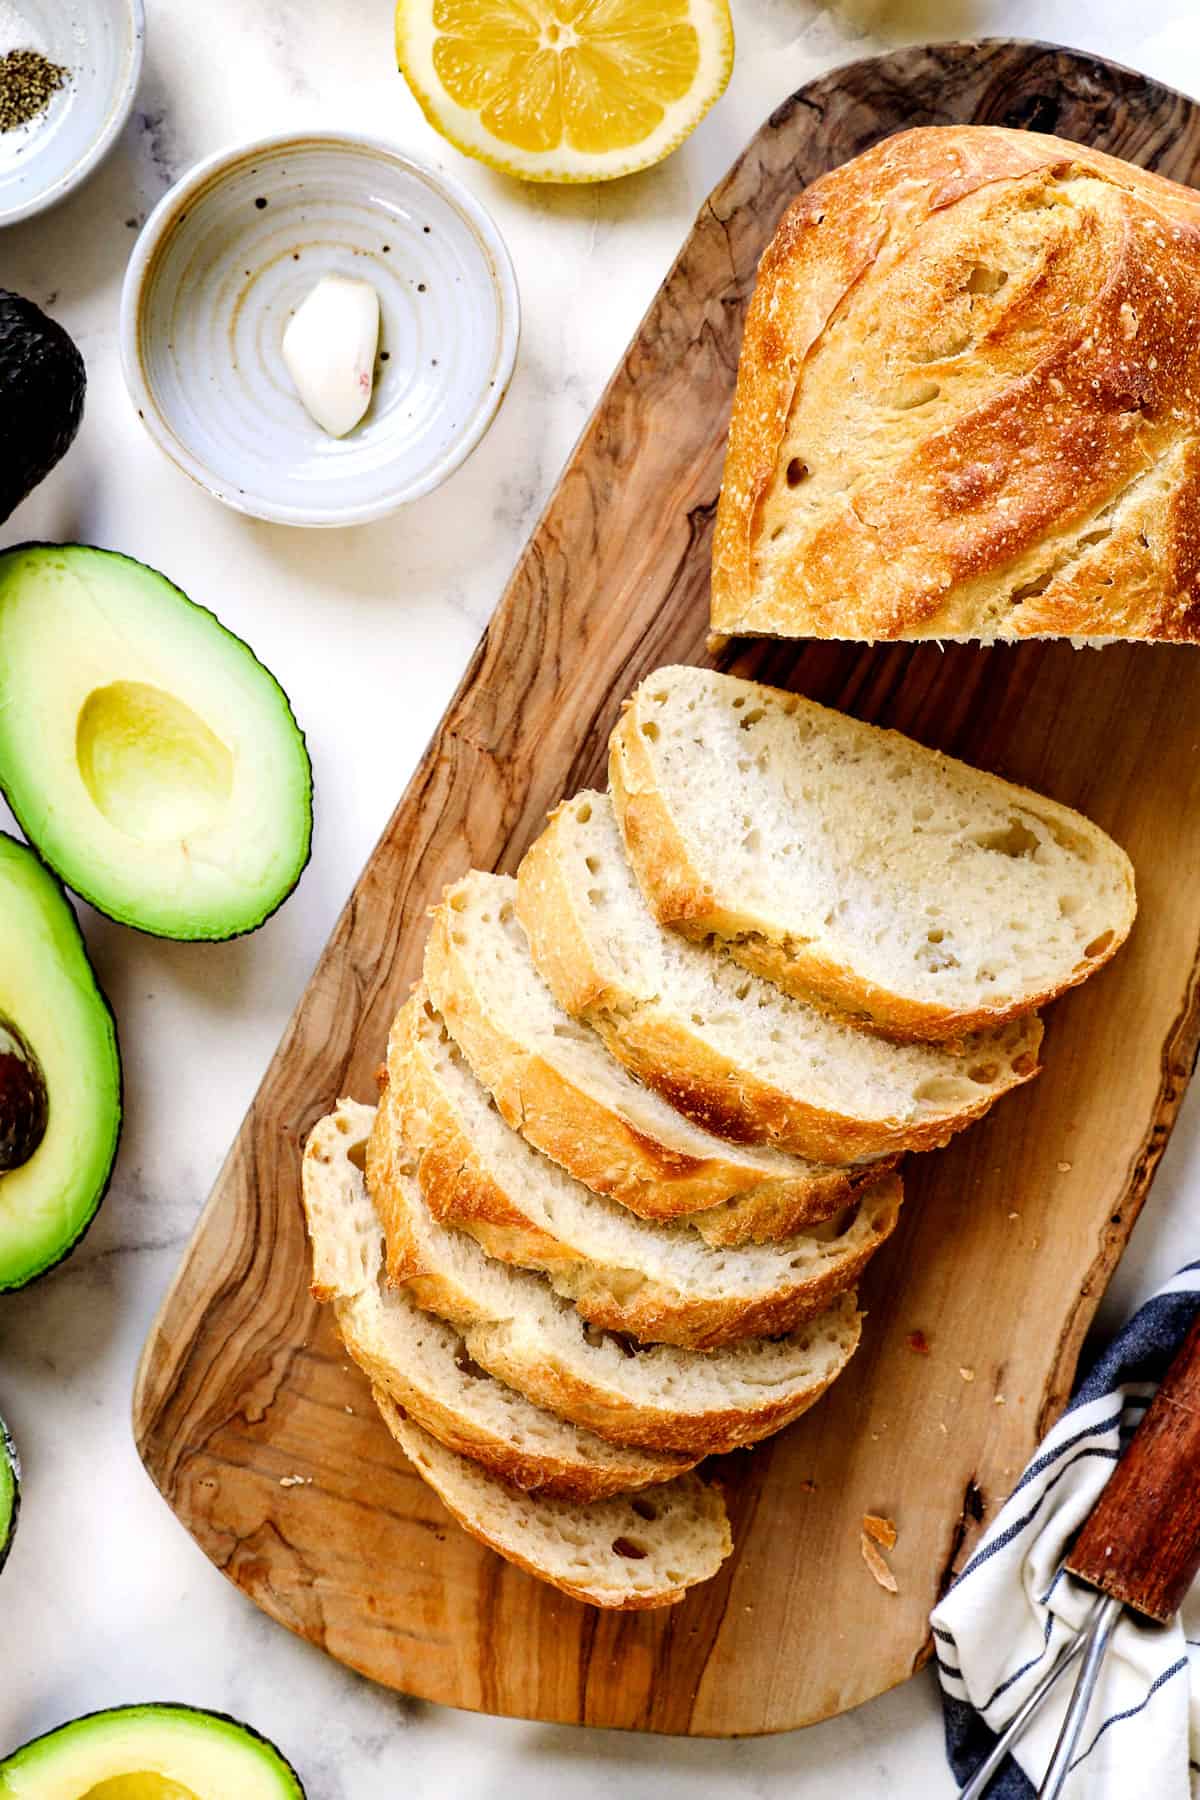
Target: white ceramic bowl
x: 223, y: 262
x: 100, y: 43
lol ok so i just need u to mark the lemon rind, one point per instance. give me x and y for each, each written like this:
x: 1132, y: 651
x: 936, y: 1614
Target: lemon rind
x: 562, y: 166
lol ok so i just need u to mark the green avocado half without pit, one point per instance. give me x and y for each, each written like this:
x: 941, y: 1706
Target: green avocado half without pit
x: 10, y: 1492
x: 149, y: 756
x: 150, y: 1753
x: 60, y: 1073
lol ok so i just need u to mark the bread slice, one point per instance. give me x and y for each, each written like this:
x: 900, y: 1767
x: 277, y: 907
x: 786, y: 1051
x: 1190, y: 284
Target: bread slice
x: 553, y: 1081
x: 659, y: 1282
x: 853, y: 867
x: 421, y: 1363
x: 520, y: 1331
x: 631, y: 1553
x: 731, y: 1050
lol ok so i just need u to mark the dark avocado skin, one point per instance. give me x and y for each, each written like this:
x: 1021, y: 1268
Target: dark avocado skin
x: 42, y: 386
x: 100, y: 1198
x: 168, y: 1706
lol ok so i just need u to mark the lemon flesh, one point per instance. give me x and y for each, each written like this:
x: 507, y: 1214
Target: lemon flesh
x: 565, y: 90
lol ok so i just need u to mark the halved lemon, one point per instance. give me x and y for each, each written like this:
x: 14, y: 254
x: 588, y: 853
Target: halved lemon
x: 565, y: 90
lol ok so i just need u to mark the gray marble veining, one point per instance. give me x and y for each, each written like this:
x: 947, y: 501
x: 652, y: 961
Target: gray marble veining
x: 369, y: 632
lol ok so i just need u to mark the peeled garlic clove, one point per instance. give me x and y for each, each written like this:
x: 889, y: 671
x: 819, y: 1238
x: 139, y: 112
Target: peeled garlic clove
x: 329, y: 348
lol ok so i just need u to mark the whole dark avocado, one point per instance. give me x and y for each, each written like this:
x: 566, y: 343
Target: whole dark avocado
x: 42, y: 385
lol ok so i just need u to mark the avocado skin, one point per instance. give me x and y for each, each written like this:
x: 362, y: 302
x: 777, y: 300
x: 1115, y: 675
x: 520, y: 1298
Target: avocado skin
x: 165, y: 1706
x: 79, y: 887
x: 42, y: 387
x: 102, y: 997
x: 8, y: 1450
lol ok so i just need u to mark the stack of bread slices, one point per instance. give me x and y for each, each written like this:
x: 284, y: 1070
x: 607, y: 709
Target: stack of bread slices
x: 640, y: 1121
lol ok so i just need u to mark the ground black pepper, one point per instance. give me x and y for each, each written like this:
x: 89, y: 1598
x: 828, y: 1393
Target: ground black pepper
x: 28, y: 82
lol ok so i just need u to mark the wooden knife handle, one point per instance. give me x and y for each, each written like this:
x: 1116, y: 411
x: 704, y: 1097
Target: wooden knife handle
x: 1141, y: 1542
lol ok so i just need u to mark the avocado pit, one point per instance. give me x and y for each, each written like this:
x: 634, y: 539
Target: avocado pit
x: 152, y: 766
x: 24, y: 1104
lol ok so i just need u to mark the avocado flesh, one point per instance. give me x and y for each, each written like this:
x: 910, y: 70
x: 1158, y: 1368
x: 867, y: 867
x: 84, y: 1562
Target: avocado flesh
x: 149, y: 1753
x: 10, y: 1492
x: 42, y: 385
x: 149, y: 756
x: 48, y: 991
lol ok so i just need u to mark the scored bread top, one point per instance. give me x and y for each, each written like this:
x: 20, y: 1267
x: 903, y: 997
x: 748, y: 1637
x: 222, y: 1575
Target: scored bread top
x: 658, y: 1281
x: 733, y: 1050
x: 629, y: 1553
x: 523, y: 1333
x: 422, y: 1363
x: 553, y: 1081
x: 968, y: 401
x: 852, y: 866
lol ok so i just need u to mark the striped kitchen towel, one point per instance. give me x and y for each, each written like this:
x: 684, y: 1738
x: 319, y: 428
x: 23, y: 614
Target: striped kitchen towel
x: 1011, y: 1611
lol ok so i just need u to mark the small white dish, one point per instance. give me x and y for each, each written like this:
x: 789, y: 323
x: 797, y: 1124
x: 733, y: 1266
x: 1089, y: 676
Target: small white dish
x: 229, y: 254
x: 99, y: 43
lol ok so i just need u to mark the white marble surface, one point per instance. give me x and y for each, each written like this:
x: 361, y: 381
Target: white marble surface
x: 106, y: 1599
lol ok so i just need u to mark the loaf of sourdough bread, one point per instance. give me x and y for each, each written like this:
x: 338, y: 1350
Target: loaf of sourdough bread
x: 968, y: 401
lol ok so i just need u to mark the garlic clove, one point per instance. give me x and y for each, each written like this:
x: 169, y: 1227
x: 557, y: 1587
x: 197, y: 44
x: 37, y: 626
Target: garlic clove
x: 329, y: 348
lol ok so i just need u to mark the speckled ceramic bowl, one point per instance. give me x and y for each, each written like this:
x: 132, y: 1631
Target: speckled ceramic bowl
x: 224, y: 261
x: 99, y: 43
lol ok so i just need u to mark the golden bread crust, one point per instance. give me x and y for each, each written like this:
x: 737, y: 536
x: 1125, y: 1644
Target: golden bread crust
x: 682, y: 1066
x: 708, y: 1434
x: 551, y: 1383
x: 591, y: 1594
x: 607, y: 1152
x: 538, y: 1472
x: 532, y: 1472
x: 764, y: 1215
x: 968, y: 401
x: 679, y: 897
x: 460, y: 1191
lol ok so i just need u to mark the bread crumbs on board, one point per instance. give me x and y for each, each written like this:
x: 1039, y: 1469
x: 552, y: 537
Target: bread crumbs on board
x: 873, y: 1557
x: 881, y: 1530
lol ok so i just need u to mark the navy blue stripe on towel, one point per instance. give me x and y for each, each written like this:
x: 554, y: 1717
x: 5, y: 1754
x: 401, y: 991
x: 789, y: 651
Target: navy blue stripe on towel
x: 1142, y: 1352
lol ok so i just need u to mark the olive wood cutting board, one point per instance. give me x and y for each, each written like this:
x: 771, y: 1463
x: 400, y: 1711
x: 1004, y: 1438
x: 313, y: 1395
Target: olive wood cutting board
x: 975, y: 1311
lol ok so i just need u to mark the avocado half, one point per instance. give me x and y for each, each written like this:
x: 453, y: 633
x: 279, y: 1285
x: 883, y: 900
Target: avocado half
x: 10, y: 1491
x: 60, y: 1073
x: 150, y: 1753
x: 42, y: 386
x: 149, y: 756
